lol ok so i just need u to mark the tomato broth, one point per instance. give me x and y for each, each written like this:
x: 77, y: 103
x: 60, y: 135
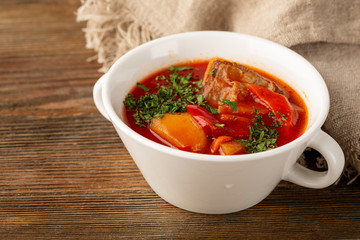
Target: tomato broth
x: 228, y: 117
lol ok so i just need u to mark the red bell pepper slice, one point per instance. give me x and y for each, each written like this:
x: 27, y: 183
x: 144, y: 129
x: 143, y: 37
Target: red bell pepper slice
x: 236, y: 126
x: 275, y: 102
x: 206, y: 120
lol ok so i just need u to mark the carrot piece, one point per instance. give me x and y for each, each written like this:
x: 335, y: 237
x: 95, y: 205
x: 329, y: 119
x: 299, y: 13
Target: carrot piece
x: 231, y: 148
x: 180, y: 131
x: 215, y: 145
x: 244, y: 109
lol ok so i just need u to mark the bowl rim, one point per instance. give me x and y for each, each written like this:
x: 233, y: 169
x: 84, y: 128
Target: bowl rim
x: 115, y: 119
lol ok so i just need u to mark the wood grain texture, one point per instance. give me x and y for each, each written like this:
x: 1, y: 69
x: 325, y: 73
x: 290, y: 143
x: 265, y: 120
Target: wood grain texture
x: 65, y: 174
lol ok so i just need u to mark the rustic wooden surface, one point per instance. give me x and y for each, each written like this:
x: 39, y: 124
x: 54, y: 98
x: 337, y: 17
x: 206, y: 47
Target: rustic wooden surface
x: 65, y: 174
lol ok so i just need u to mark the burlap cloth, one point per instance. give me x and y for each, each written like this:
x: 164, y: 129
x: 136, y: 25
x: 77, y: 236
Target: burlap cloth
x: 327, y: 33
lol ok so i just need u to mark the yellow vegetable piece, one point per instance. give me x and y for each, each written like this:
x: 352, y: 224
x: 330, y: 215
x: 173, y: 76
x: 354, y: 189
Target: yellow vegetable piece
x: 180, y: 130
x: 231, y: 148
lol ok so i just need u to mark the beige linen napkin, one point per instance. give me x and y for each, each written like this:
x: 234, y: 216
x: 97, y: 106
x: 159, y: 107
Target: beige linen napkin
x: 327, y: 33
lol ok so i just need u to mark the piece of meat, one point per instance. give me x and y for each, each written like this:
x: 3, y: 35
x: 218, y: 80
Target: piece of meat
x: 225, y: 79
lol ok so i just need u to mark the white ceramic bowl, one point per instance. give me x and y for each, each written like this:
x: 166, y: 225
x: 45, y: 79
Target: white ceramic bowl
x: 221, y: 184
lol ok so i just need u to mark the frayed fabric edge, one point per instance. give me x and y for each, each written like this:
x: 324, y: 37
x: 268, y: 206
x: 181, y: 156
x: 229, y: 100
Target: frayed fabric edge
x: 112, y: 29
x: 352, y: 165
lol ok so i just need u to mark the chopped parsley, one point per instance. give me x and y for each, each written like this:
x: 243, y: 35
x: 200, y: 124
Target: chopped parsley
x: 199, y: 83
x: 200, y: 99
x: 178, y: 69
x: 283, y: 115
x: 172, y: 96
x: 161, y: 77
x: 212, y: 110
x: 212, y: 71
x: 230, y: 103
x: 261, y: 137
x: 142, y: 87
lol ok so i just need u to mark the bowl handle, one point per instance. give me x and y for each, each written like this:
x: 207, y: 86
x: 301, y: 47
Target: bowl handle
x: 97, y: 94
x: 334, y: 157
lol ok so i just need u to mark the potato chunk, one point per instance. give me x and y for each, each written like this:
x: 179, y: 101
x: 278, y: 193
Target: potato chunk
x: 180, y: 130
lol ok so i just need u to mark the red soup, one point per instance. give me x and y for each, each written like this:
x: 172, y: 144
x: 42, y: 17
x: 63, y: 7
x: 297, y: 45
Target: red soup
x: 216, y: 107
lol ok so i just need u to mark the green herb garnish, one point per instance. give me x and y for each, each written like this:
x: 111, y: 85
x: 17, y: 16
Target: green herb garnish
x: 212, y: 71
x: 200, y: 99
x: 261, y: 137
x: 230, y: 103
x: 174, y: 93
x: 178, y: 69
x: 212, y: 110
x: 199, y: 83
x: 283, y: 115
x: 142, y: 87
x: 130, y: 101
x: 276, y: 122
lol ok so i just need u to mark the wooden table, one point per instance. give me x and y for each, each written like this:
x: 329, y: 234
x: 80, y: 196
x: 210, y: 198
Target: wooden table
x: 65, y: 174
